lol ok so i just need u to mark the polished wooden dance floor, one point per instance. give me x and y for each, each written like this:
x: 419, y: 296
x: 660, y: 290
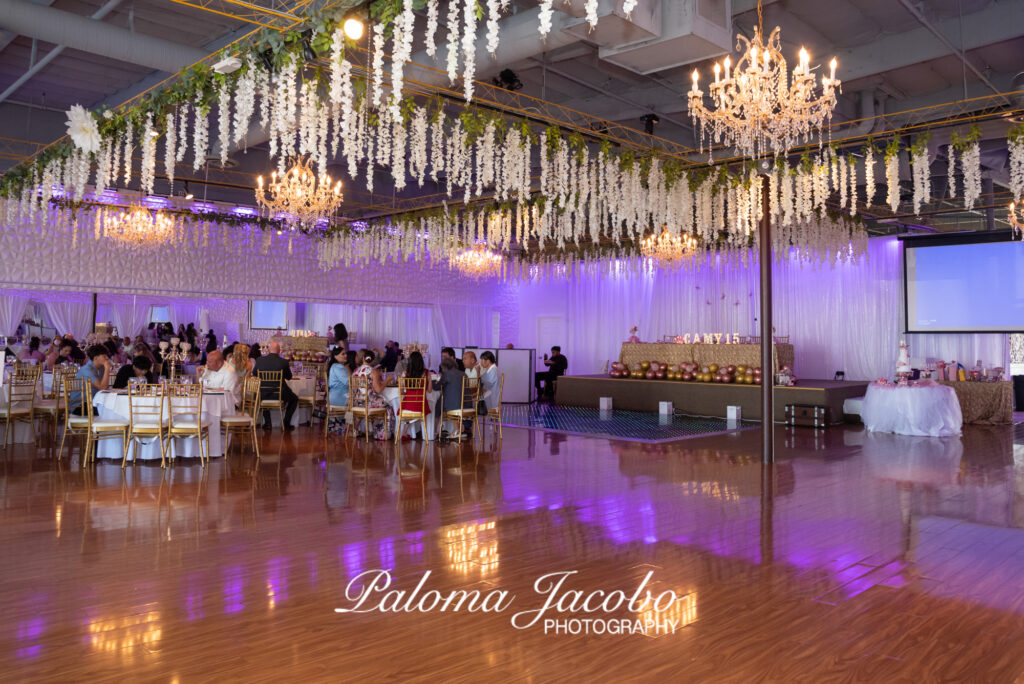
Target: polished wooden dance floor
x: 858, y: 557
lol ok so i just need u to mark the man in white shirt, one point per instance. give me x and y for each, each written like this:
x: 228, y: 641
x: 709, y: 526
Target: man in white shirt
x: 490, y: 381
x: 219, y: 376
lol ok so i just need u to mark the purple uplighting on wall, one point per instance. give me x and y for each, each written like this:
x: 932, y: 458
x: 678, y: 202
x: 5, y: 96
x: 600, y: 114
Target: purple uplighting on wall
x: 203, y: 207
x: 244, y: 211
x: 154, y: 202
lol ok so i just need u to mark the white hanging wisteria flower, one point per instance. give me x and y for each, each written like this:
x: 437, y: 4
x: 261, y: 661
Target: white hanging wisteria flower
x: 454, y: 44
x: 493, y: 15
x: 83, y: 130
x: 853, y: 184
x: 129, y: 140
x: 245, y: 102
x: 545, y: 15
x: 170, y: 148
x: 869, y: 176
x: 628, y: 6
x: 224, y: 121
x: 970, y: 161
x: 404, y: 24
x: 430, y: 38
x: 337, y: 57
x: 951, y: 169
x: 892, y: 174
x: 184, y: 113
x: 921, y: 172
x: 1015, y: 145
x: 591, y: 11
x: 469, y: 50
x: 378, y: 65
x: 148, y: 172
x: 200, y: 138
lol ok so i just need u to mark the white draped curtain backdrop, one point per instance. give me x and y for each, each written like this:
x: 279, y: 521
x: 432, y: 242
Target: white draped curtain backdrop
x: 12, y: 308
x: 845, y: 318
x: 73, y: 317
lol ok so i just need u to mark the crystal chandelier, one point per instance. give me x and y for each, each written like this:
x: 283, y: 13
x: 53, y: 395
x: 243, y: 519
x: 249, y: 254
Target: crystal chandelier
x: 757, y: 109
x: 299, y: 195
x: 668, y: 248
x: 1016, y: 223
x: 478, y: 262
x: 139, y: 226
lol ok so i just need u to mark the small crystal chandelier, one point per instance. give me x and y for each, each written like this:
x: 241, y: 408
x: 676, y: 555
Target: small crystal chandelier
x: 1017, y: 223
x: 478, y: 262
x: 757, y: 109
x: 139, y: 226
x: 668, y: 248
x: 299, y: 195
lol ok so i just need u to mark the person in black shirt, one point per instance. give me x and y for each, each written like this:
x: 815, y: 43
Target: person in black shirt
x: 449, y: 353
x: 272, y: 361
x: 557, y: 366
x: 390, y: 358
x: 140, y: 367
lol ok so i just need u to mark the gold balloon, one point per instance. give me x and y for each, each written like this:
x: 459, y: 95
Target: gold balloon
x: 713, y: 368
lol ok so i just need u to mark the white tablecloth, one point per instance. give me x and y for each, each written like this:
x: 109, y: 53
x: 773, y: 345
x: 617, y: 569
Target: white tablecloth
x: 391, y: 396
x: 925, y: 411
x: 111, y: 405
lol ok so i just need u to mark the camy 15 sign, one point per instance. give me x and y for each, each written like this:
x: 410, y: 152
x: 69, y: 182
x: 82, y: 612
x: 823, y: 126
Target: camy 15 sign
x: 708, y: 338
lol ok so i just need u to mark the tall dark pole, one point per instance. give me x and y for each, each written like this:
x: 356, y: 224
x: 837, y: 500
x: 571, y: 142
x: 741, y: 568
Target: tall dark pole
x: 767, y: 342
x: 94, y: 308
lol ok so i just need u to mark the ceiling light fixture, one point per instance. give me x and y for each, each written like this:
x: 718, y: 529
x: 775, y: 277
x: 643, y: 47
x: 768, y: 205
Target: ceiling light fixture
x: 299, y: 195
x: 139, y: 226
x: 478, y: 262
x: 757, y: 109
x: 353, y: 28
x: 668, y: 248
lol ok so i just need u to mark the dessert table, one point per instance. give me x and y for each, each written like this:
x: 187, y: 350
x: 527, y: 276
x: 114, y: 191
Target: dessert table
x: 704, y: 354
x: 925, y: 410
x: 391, y: 396
x: 115, y: 405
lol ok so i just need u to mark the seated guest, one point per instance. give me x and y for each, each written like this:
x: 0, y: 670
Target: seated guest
x: 191, y: 334
x: 152, y: 335
x: 557, y: 366
x: 140, y: 367
x: 490, y: 382
x: 255, y: 352
x: 96, y: 371
x: 31, y: 353
x: 451, y: 391
x: 390, y: 357
x: 368, y: 368
x: 60, y: 356
x: 240, y: 361
x: 339, y: 370
x: 76, y: 353
x: 142, y: 349
x: 472, y: 370
x: 413, y: 400
x: 217, y: 375
x: 448, y: 352
x: 115, y: 352
x: 272, y: 361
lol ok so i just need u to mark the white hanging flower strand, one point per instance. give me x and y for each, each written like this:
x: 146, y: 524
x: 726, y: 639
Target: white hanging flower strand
x: 493, y: 15
x: 951, y: 169
x: 378, y: 64
x: 544, y: 15
x: 469, y: 49
x: 970, y: 160
x: 921, y: 172
x: 869, y: 176
x: 200, y: 138
x: 170, y: 151
x: 148, y: 155
x: 892, y: 178
x: 591, y: 10
x: 1015, y: 145
x: 224, y: 122
x: 628, y: 6
x: 430, y: 37
x: 454, y: 44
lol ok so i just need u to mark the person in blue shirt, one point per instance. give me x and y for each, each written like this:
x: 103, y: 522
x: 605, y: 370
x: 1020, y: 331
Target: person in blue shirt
x: 339, y: 371
x: 96, y: 371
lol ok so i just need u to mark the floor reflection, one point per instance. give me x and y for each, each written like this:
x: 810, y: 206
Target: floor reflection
x: 135, y: 564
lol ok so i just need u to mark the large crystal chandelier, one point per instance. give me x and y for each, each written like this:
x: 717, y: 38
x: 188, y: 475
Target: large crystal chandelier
x: 477, y: 262
x: 668, y: 248
x: 139, y: 226
x: 299, y: 195
x: 757, y: 109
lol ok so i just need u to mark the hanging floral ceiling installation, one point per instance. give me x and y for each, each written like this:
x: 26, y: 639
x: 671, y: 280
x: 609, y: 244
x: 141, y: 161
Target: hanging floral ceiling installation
x: 593, y: 203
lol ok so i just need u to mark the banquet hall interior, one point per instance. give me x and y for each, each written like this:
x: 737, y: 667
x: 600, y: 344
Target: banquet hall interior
x: 467, y: 340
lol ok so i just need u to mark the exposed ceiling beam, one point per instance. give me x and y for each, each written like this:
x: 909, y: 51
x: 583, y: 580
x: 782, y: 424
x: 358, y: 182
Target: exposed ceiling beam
x: 82, y: 33
x: 7, y: 37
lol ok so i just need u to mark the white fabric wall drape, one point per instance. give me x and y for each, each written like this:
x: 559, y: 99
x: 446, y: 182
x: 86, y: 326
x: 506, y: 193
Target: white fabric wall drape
x: 846, y: 318
x: 465, y: 325
x: 12, y: 308
x: 70, y: 317
x: 374, y: 325
x: 128, y: 313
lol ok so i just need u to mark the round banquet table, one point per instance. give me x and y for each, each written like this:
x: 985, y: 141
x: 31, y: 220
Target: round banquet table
x: 110, y: 405
x: 391, y: 396
x: 924, y: 410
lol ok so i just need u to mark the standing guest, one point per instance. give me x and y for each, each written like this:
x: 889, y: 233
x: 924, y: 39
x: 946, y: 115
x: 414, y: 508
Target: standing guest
x: 448, y: 352
x: 414, y: 399
x: 181, y: 332
x: 557, y: 366
x: 272, y: 361
x: 240, y: 361
x: 365, y: 359
x: 211, y: 341
x: 255, y: 352
x: 390, y: 356
x: 140, y: 367
x: 490, y: 382
x: 191, y: 334
x: 472, y: 370
x: 217, y: 375
x: 340, y: 334
x: 96, y: 371
x: 152, y: 335
x: 31, y: 353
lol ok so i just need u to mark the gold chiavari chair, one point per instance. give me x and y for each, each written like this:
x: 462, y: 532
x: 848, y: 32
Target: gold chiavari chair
x: 77, y: 395
x: 470, y: 396
x: 333, y: 411
x: 311, y: 401
x: 24, y: 371
x: 494, y: 414
x: 20, y: 406
x: 245, y: 421
x: 146, y: 418
x: 186, y: 416
x: 270, y: 391
x: 415, y: 389
x: 359, y: 400
x: 52, y: 406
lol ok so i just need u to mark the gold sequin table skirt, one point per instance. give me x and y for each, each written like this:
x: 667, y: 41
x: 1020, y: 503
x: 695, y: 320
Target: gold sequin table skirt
x: 704, y: 354
x: 984, y: 403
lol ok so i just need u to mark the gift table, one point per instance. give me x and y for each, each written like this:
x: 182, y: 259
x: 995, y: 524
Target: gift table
x: 926, y: 410
x: 704, y: 354
x: 984, y: 403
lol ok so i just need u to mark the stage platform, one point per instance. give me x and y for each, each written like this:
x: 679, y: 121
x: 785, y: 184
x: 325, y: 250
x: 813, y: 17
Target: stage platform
x: 704, y: 399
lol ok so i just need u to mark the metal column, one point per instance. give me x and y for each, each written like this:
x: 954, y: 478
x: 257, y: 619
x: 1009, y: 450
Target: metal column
x: 767, y: 341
